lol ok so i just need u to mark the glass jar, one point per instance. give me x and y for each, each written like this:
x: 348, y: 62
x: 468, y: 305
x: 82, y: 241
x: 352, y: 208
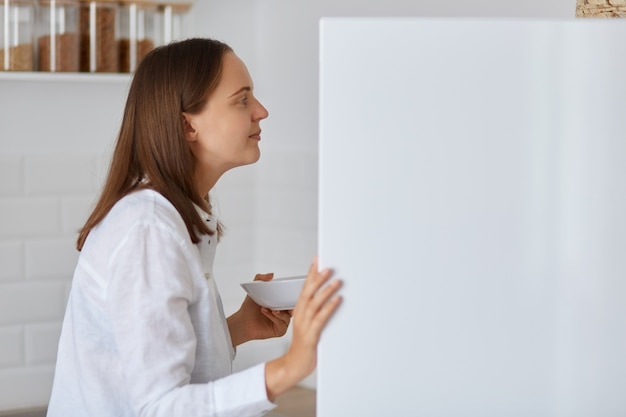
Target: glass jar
x: 137, y: 33
x: 98, y: 36
x: 17, y: 28
x: 172, y: 21
x: 57, y: 36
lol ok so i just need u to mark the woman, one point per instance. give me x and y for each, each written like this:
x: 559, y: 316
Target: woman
x: 145, y: 332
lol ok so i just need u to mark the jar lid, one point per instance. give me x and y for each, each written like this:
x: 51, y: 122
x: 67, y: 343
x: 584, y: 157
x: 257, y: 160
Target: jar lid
x: 99, y: 1
x: 174, y: 2
x: 59, y: 2
x: 21, y: 2
x: 139, y: 2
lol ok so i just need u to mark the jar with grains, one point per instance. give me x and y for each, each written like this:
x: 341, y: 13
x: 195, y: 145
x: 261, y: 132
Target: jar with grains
x: 138, y: 31
x: 17, y: 28
x: 57, y: 36
x: 98, y: 36
x: 171, y: 18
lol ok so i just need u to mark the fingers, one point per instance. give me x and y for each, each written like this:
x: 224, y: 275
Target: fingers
x: 264, y: 277
x: 276, y: 315
x: 279, y: 319
x: 326, y: 312
x: 317, y: 301
x: 315, y: 279
x: 324, y: 295
x: 323, y: 305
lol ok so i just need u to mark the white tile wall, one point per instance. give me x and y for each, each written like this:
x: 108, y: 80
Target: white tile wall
x: 59, y: 174
x: 11, y: 259
x: 29, y: 216
x: 31, y: 302
x: 74, y: 213
x: 12, y: 342
x: 50, y: 171
x: 25, y: 387
x: 51, y: 259
x: 41, y: 342
x: 286, y: 232
x: 11, y: 172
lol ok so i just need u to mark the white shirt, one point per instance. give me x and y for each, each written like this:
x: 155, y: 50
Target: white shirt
x: 144, y: 333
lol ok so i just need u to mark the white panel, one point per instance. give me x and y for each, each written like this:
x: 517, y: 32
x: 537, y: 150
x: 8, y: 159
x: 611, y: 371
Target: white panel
x: 470, y: 203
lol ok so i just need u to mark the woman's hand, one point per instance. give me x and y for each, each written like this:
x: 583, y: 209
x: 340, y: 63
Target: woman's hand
x: 316, y: 305
x: 253, y: 322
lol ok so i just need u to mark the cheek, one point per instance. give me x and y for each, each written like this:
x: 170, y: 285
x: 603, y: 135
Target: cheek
x: 227, y: 133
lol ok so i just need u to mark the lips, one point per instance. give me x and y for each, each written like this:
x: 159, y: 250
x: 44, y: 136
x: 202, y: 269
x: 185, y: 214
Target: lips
x: 256, y: 135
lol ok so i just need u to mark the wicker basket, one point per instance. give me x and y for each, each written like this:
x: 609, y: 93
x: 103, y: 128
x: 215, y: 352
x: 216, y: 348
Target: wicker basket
x: 601, y: 8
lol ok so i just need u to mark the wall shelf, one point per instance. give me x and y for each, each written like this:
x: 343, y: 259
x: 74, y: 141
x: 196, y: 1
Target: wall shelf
x: 79, y: 77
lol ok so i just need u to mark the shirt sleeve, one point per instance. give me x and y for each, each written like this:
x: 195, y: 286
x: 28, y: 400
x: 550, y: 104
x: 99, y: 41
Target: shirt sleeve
x: 147, y: 301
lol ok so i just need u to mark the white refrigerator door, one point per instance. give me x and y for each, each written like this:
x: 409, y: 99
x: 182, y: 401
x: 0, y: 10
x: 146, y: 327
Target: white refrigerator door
x: 472, y: 198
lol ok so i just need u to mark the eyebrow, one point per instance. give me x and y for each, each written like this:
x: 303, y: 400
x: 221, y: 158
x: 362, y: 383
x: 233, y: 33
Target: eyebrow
x: 239, y: 91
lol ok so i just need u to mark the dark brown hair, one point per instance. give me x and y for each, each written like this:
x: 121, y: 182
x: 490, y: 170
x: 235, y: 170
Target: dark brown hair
x: 151, y: 149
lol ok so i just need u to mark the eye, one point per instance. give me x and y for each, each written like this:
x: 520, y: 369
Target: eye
x: 243, y: 100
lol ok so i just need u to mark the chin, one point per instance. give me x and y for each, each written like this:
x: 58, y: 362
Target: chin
x: 256, y: 156
x: 252, y: 159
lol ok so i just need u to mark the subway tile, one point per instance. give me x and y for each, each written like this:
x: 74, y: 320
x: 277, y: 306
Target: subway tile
x: 50, y: 258
x: 30, y: 302
x: 241, y: 178
x: 236, y: 246
x: 12, y: 260
x: 74, y: 213
x: 285, y: 251
x: 289, y: 169
x: 25, y: 387
x: 257, y: 351
x: 286, y: 207
x: 101, y: 168
x: 11, y: 346
x: 24, y: 217
x: 66, y: 292
x: 11, y: 175
x: 41, y: 343
x: 59, y: 173
x: 228, y: 278
x: 236, y: 207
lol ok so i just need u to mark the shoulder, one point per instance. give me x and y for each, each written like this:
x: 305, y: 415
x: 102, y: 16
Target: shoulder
x: 144, y: 204
x: 143, y: 209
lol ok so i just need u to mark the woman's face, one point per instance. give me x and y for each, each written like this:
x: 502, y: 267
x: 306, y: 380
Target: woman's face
x: 226, y: 133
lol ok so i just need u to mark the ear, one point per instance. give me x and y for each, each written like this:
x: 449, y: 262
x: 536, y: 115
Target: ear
x: 190, y: 132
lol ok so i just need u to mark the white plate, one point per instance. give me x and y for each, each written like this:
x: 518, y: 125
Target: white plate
x: 277, y: 294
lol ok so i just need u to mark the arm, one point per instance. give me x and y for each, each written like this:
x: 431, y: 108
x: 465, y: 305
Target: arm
x: 315, y: 307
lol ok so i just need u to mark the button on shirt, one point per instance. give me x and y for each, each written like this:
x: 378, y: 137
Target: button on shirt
x: 144, y: 332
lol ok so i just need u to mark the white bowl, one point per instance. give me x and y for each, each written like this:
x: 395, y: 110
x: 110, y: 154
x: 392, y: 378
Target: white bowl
x: 277, y: 294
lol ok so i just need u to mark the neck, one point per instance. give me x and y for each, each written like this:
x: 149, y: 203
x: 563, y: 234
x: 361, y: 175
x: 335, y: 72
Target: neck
x: 205, y: 181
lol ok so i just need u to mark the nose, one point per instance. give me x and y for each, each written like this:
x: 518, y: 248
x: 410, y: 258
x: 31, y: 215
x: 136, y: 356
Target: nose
x: 260, y: 112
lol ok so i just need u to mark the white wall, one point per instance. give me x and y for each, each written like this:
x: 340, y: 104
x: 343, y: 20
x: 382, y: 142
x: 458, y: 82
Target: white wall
x: 270, y: 209
x: 53, y: 145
